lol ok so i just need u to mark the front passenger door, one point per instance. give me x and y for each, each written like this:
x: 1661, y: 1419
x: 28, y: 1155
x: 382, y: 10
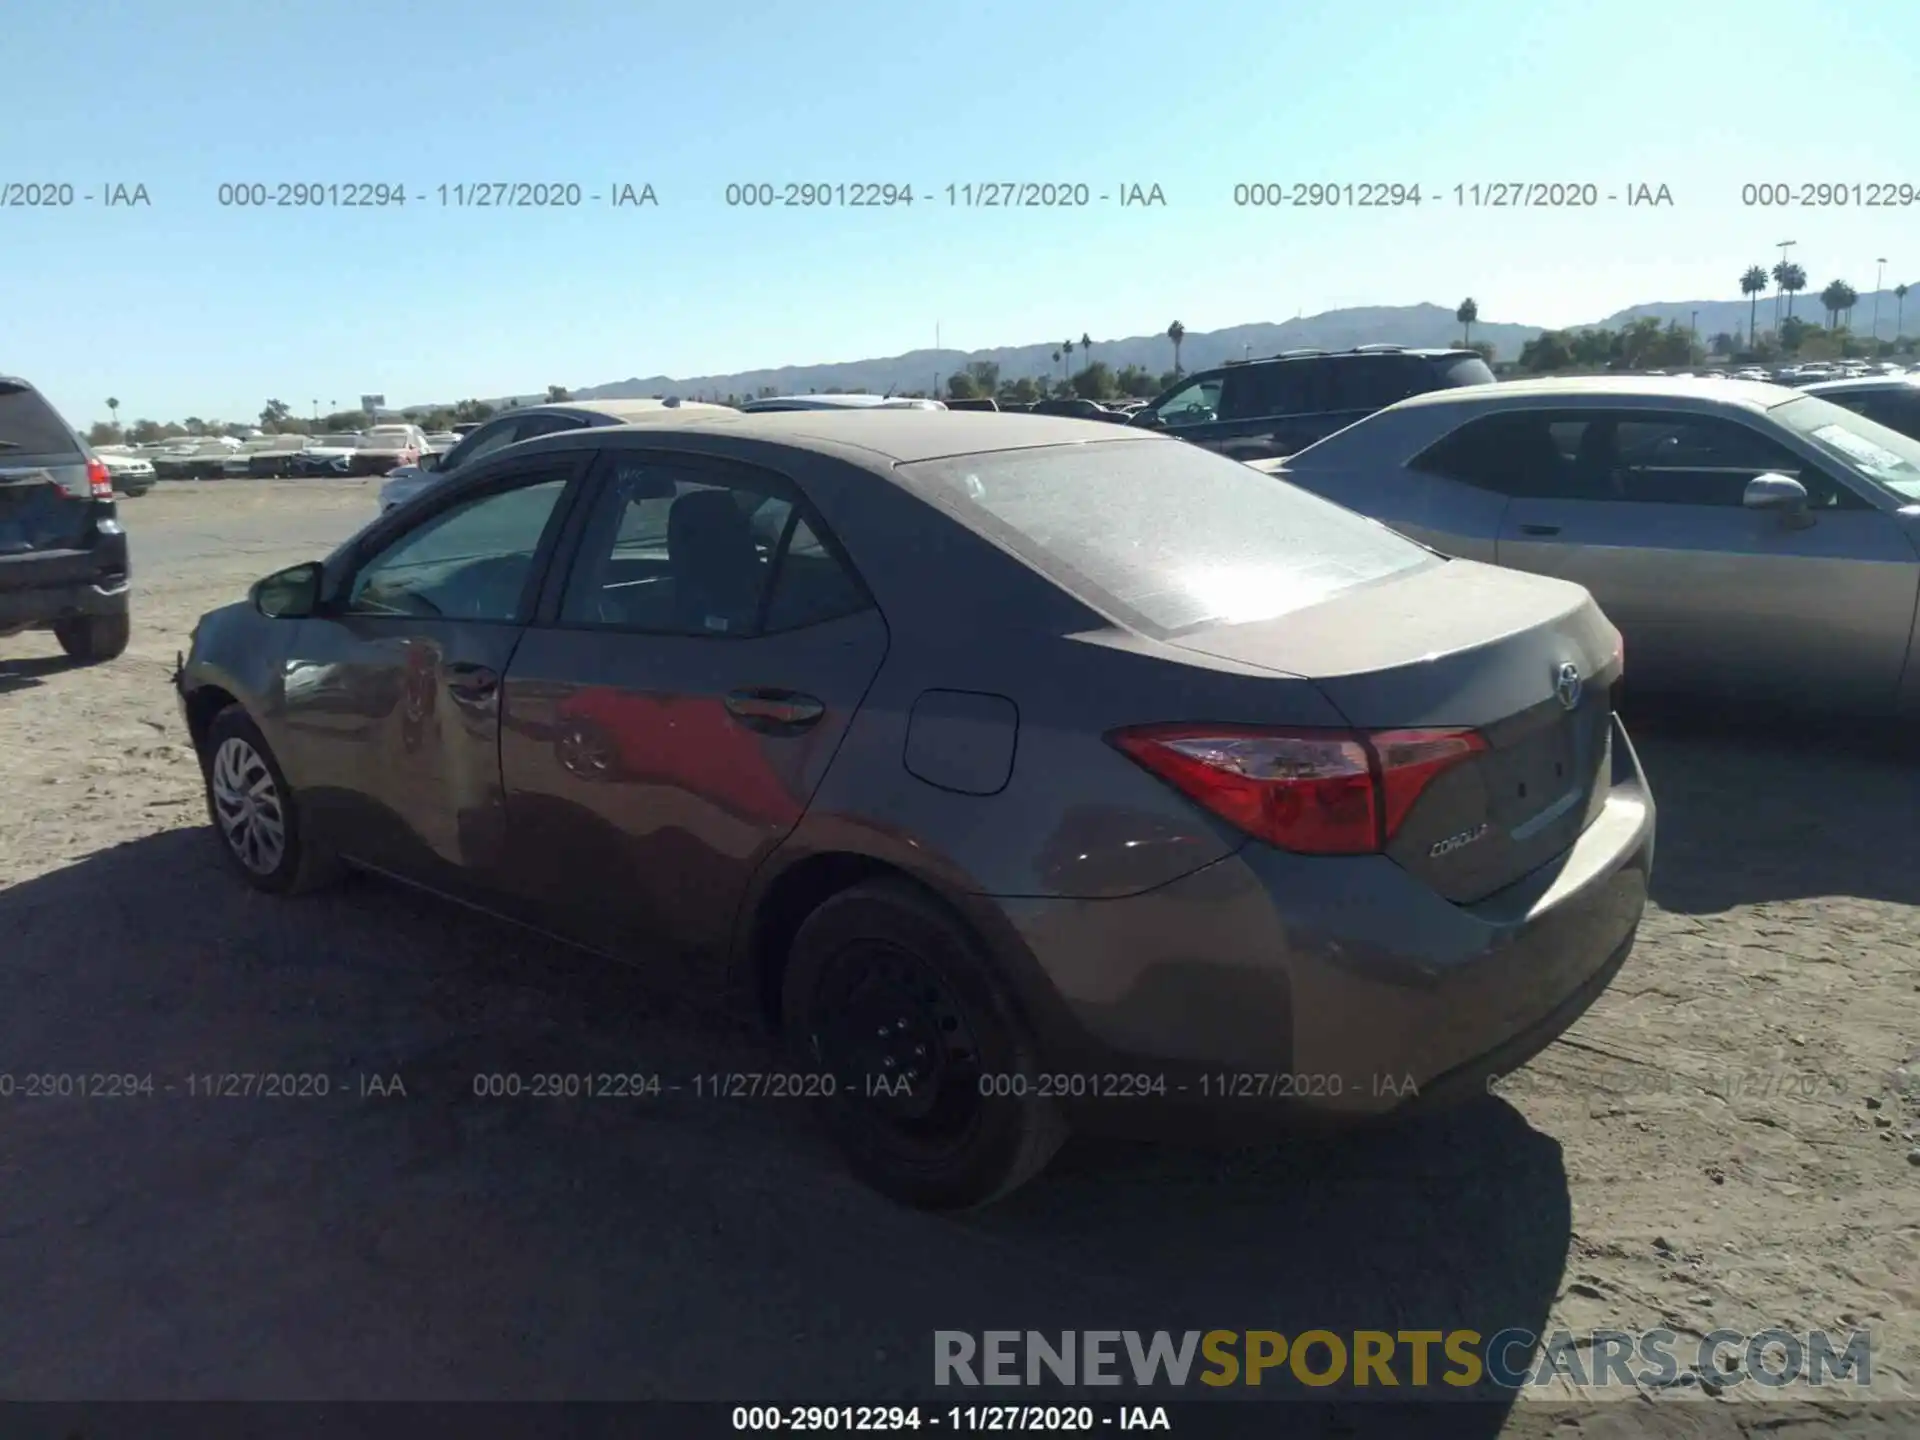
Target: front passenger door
x: 394, y: 728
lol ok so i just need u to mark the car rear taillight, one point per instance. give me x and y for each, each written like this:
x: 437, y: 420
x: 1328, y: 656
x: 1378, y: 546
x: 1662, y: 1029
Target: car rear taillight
x: 1315, y: 792
x: 99, y: 479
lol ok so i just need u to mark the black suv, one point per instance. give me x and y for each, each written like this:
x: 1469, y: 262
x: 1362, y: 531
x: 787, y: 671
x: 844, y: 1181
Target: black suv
x: 1261, y: 409
x: 63, y: 555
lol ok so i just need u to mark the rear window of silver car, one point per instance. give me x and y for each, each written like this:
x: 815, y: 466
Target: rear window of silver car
x: 1166, y: 536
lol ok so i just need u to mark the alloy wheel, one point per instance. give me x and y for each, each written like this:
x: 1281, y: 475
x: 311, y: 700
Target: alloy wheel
x: 248, y: 804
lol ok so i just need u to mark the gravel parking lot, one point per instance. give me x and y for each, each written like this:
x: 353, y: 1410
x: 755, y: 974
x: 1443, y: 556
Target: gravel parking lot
x: 1728, y: 1140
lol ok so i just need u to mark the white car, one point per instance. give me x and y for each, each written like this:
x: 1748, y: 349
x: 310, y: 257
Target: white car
x: 523, y: 424
x: 327, y: 454
x: 385, y: 448
x: 132, y: 474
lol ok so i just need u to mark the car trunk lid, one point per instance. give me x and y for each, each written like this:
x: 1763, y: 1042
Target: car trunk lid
x: 1525, y: 662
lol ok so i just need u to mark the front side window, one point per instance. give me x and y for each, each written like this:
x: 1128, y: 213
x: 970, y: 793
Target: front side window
x: 1195, y: 404
x: 1639, y: 457
x: 470, y: 562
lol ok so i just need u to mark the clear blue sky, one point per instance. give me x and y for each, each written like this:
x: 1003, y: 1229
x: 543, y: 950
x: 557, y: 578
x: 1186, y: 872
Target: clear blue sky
x: 187, y: 307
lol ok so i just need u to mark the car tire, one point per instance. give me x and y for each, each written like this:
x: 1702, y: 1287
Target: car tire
x: 262, y: 840
x: 94, y: 639
x: 881, y: 982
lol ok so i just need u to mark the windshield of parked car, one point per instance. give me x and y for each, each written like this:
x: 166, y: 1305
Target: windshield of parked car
x: 1164, y: 535
x: 1883, y: 456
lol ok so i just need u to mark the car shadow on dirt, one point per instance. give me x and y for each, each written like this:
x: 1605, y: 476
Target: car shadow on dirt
x: 1757, y: 807
x: 392, y: 1221
x: 27, y: 672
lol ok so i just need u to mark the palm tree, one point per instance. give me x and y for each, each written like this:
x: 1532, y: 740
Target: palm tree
x: 1834, y: 299
x: 1900, y: 310
x: 1056, y: 357
x: 1753, y: 285
x: 1068, y: 349
x: 1176, y: 332
x: 113, y: 408
x: 1466, y: 315
x: 1086, y: 349
x: 1792, y: 281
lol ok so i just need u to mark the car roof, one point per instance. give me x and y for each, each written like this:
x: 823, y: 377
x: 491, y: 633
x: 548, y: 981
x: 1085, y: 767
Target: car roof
x: 836, y: 400
x: 1865, y: 382
x: 620, y: 409
x: 1685, y: 391
x: 864, y: 436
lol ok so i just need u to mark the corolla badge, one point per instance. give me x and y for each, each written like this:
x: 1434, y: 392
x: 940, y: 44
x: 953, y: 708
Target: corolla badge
x: 1567, y: 685
x: 1455, y: 842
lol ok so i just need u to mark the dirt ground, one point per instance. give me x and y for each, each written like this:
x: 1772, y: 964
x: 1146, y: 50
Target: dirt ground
x: 1728, y: 1140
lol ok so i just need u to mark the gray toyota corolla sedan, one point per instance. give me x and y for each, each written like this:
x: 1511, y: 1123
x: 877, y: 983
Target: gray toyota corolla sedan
x: 1755, y: 544
x: 1029, y: 773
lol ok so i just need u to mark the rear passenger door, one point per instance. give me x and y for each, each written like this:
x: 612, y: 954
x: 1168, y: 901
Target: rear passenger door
x: 676, y: 703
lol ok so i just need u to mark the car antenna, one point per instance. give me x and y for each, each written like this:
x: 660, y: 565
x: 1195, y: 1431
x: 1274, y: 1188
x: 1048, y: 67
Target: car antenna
x: 890, y: 390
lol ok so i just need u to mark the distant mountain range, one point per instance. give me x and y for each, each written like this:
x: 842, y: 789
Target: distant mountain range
x: 1410, y: 325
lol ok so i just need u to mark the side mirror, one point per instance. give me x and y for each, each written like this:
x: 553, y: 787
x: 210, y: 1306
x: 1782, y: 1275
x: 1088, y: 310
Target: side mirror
x: 291, y: 594
x: 1780, y: 493
x: 1148, y: 420
x: 429, y: 460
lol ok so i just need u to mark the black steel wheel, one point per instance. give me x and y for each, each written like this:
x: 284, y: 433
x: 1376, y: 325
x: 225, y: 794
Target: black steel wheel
x: 934, y: 1097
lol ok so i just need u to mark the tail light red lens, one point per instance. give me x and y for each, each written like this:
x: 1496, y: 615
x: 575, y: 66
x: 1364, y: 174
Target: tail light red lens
x: 1314, y: 792
x: 99, y: 479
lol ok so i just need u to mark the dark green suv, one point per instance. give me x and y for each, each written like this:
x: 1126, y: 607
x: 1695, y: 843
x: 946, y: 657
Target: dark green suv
x: 1261, y: 409
x: 63, y: 555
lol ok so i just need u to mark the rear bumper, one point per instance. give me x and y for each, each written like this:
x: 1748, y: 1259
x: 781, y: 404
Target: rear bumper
x: 1269, y: 989
x: 41, y: 587
x: 44, y: 604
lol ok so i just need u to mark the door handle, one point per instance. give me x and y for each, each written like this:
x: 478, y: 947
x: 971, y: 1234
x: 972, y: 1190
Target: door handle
x: 469, y: 681
x: 774, y: 711
x: 1539, y: 529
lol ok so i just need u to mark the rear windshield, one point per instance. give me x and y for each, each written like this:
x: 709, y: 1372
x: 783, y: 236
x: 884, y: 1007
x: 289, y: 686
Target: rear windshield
x: 30, y: 426
x: 1163, y: 535
x: 1463, y: 370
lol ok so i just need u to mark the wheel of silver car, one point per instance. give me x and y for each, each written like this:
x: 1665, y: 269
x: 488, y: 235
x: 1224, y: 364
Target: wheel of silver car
x: 934, y: 1098
x: 248, y: 807
x: 254, y: 810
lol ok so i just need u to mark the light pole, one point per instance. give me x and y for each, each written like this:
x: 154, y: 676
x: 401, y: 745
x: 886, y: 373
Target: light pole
x: 1878, y: 276
x: 1693, y: 333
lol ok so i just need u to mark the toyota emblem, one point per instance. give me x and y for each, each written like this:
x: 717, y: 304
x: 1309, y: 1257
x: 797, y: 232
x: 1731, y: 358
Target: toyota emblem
x: 1567, y: 685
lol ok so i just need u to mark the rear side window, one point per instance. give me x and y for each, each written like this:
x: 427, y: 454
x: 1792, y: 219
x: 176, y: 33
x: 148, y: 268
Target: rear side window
x: 1516, y: 454
x: 1895, y: 409
x: 1166, y: 537
x: 30, y: 426
x: 1375, y: 382
x: 1289, y: 387
x: 1459, y: 370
